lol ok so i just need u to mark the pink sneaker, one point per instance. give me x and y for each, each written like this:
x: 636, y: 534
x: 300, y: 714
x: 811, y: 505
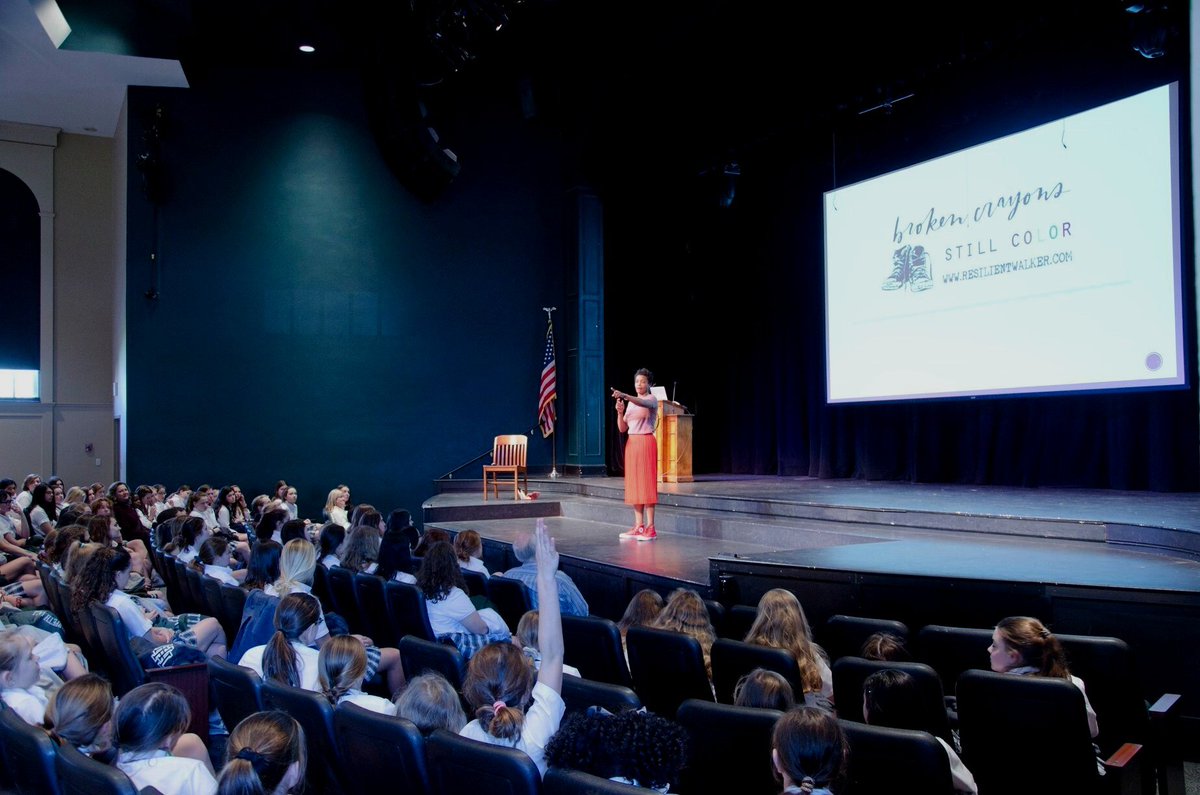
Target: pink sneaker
x: 648, y: 534
x: 636, y: 532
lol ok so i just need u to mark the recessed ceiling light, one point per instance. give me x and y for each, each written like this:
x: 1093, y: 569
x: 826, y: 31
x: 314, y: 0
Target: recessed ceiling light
x: 307, y: 48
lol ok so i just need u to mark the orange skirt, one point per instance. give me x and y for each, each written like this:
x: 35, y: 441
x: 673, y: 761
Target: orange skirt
x: 641, y: 470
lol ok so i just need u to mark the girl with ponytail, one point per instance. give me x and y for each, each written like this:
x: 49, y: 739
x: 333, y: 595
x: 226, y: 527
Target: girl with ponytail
x: 1022, y: 645
x: 808, y: 751
x: 500, y: 682
x: 288, y: 658
x: 265, y: 755
x: 342, y: 663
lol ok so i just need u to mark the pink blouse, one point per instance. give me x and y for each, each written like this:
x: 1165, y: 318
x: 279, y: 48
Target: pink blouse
x: 640, y: 419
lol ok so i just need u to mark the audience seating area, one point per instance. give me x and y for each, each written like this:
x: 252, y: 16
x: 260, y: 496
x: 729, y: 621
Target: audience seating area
x: 1035, y: 725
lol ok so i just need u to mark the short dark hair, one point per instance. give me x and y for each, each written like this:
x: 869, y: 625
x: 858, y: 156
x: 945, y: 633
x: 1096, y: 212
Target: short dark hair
x: 149, y: 714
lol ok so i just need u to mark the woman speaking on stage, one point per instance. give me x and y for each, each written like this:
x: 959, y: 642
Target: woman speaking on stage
x: 635, y: 416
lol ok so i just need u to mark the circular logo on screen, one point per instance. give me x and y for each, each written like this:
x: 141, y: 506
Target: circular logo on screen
x: 1153, y: 361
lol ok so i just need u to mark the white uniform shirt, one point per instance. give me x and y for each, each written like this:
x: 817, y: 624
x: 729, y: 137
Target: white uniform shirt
x: 368, y: 701
x: 222, y: 573
x: 170, y: 775
x: 136, y: 623
x: 29, y: 703
x: 306, y: 664
x: 446, y: 615
x: 541, y: 722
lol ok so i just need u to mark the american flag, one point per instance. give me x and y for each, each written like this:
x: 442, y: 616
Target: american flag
x: 549, y: 387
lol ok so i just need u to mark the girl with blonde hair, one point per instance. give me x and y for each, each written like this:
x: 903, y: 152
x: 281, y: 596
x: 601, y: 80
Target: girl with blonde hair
x: 685, y: 612
x: 781, y: 624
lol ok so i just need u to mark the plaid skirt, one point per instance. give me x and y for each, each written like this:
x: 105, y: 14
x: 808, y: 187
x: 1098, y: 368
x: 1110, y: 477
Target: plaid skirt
x: 181, y: 625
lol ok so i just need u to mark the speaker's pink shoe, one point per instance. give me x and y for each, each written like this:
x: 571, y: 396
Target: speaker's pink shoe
x: 636, y: 532
x: 648, y: 535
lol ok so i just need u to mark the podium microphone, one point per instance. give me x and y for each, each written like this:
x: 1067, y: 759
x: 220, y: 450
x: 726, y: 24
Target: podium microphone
x: 674, y: 385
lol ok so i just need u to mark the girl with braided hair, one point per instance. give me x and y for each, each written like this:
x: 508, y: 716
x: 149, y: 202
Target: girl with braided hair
x: 342, y: 666
x: 808, y: 751
x: 515, y: 705
x: 1022, y: 645
x: 265, y: 755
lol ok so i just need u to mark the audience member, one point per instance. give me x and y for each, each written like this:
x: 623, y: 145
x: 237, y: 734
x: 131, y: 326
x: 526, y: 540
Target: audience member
x: 431, y: 703
x: 764, y: 689
x: 265, y: 755
x: 890, y: 699
x: 570, y: 600
x: 781, y: 624
x: 1022, y: 645
x: 632, y: 747
x: 809, y: 751
x: 500, y: 682
x: 153, y: 747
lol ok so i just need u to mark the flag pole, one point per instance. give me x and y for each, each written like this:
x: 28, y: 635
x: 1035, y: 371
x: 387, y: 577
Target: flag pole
x: 554, y: 429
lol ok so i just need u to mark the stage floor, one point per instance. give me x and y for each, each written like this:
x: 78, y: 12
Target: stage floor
x: 1089, y: 538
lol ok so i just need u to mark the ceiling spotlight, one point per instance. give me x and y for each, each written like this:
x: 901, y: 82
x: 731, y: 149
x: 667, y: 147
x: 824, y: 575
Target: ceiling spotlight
x: 307, y: 48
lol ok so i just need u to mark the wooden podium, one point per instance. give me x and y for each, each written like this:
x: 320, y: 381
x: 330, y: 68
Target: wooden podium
x: 673, y: 434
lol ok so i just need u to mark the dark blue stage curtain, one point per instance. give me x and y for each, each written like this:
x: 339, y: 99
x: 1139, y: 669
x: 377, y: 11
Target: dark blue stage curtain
x: 20, y: 274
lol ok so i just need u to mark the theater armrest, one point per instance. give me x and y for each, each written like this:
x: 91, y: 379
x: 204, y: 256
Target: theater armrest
x: 1164, y: 728
x: 1123, y: 770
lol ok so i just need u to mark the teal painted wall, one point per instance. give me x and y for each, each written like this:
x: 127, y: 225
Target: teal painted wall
x: 318, y: 323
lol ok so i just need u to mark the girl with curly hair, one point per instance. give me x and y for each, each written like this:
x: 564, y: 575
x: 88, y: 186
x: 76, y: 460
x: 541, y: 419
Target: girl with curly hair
x: 450, y: 609
x: 633, y: 747
x: 781, y: 624
x: 103, y: 579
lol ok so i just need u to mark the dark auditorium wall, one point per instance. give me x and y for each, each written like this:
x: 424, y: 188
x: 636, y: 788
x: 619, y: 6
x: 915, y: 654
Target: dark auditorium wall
x: 315, y: 321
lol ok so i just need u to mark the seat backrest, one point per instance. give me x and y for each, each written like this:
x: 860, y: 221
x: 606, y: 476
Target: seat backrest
x: 843, y: 636
x: 667, y: 669
x: 593, y: 645
x: 28, y: 755
x: 320, y: 587
x: 418, y: 655
x: 952, y: 650
x: 510, y: 598
x: 849, y: 673
x: 81, y: 775
x: 373, y: 611
x: 459, y: 766
x: 185, y: 590
x: 729, y: 748
x: 738, y: 620
x: 315, y: 714
x: 733, y: 659
x: 579, y: 694
x: 237, y: 690
x: 195, y: 586
x: 1108, y: 669
x: 509, y: 450
x: 166, y: 569
x: 126, y: 671
x: 216, y: 604
x: 1034, y: 724
x: 476, y: 582
x: 385, y: 753
x: 406, y: 610
x: 560, y: 781
x: 716, y: 616
x: 87, y: 627
x: 345, y: 600
x: 888, y: 760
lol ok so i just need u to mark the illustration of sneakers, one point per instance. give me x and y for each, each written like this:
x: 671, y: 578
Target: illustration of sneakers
x: 899, y: 275
x: 920, y: 274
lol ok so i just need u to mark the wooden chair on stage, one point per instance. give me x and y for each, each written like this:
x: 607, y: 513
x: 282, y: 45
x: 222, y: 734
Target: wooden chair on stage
x: 508, y: 458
